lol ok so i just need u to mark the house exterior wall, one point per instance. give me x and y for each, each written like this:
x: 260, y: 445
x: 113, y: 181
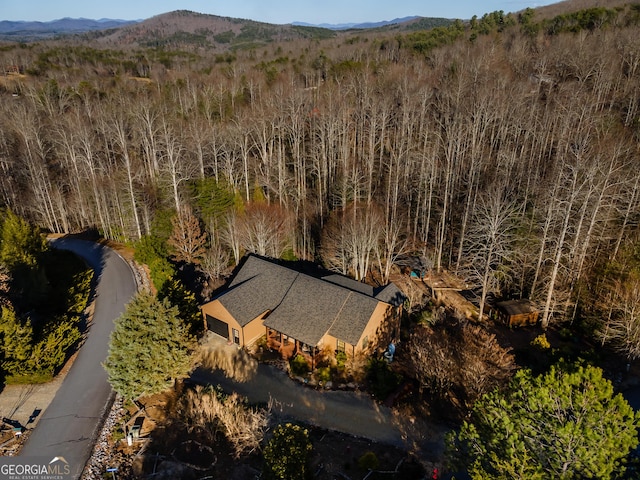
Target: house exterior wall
x: 253, y: 330
x: 373, y: 332
x: 379, y: 329
x: 249, y: 334
x: 215, y: 309
x: 521, y: 320
x: 380, y: 326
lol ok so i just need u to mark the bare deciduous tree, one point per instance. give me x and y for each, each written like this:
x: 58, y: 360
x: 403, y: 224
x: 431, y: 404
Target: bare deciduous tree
x: 460, y: 360
x: 264, y: 229
x: 490, y: 239
x: 187, y: 238
x: 215, y: 261
x: 350, y: 238
x: 622, y: 330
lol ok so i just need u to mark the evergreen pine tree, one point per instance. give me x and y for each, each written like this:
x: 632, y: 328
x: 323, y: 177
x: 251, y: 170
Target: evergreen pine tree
x: 566, y: 424
x: 149, y: 348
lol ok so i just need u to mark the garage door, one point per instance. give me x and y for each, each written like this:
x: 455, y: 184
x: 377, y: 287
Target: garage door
x: 218, y: 326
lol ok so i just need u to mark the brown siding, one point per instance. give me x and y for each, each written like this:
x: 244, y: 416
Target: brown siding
x: 523, y: 319
x: 215, y: 309
x: 249, y: 334
x: 253, y: 331
x: 371, y: 331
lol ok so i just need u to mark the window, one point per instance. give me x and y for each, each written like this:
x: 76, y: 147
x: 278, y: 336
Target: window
x: 365, y: 343
x: 340, y: 346
x: 236, y: 336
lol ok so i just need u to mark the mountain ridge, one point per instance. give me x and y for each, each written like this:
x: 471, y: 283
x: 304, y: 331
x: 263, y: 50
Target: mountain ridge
x: 363, y: 25
x: 66, y: 25
x: 186, y: 25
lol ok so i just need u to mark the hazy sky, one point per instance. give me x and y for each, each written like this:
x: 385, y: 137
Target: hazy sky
x: 271, y: 11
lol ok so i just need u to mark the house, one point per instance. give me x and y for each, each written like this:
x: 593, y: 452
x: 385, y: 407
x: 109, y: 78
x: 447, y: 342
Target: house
x: 300, y: 313
x: 517, y: 313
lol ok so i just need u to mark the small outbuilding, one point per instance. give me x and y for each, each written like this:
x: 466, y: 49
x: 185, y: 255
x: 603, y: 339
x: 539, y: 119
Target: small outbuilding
x: 517, y: 313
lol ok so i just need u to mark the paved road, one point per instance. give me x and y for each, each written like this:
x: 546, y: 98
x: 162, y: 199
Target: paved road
x: 69, y: 425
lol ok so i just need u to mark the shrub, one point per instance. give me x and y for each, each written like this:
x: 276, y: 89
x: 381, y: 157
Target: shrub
x: 117, y: 434
x: 299, y: 365
x: 286, y: 456
x: 382, y: 379
x: 541, y: 342
x: 211, y: 409
x: 341, y: 360
x: 427, y: 317
x: 323, y: 374
x: 368, y: 461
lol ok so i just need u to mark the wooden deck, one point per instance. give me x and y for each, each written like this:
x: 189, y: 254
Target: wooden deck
x: 444, y: 287
x: 287, y: 347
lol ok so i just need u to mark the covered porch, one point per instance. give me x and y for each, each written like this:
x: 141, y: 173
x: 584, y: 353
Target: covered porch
x: 288, y: 347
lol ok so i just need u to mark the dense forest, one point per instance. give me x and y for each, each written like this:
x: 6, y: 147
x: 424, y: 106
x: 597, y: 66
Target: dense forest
x: 43, y: 295
x: 504, y: 149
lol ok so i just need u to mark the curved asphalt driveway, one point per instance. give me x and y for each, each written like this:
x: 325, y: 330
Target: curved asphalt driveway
x: 348, y: 412
x: 69, y: 425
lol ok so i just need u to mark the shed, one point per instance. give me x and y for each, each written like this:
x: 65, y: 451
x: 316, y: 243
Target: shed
x: 517, y: 313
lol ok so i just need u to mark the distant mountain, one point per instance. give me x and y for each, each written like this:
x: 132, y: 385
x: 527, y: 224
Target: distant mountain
x: 184, y: 28
x: 40, y: 30
x: 187, y: 29
x: 347, y: 26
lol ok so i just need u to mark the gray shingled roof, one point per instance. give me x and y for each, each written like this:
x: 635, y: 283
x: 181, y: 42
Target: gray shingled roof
x: 258, y: 286
x: 350, y: 283
x: 308, y: 309
x: 517, y: 307
x: 303, y: 307
x: 391, y: 294
x: 353, y: 318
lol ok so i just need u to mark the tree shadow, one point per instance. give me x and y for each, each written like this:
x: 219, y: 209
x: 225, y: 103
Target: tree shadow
x: 236, y: 364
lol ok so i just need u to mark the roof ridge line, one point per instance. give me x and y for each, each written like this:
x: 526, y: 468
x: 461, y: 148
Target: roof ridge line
x: 288, y: 289
x: 335, y: 319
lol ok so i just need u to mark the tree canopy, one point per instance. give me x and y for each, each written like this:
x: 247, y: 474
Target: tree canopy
x: 420, y: 130
x: 565, y: 424
x: 52, y: 286
x: 149, y: 348
x: 20, y: 243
